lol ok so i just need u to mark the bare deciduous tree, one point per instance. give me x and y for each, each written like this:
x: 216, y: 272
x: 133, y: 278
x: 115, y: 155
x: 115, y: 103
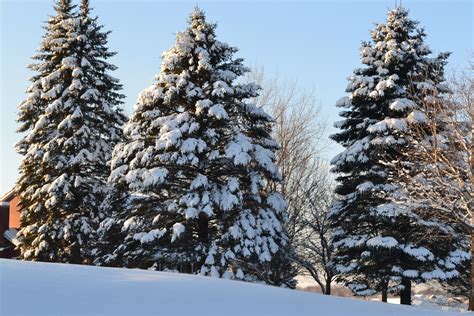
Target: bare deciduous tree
x: 445, y: 162
x: 306, y: 185
x: 463, y: 91
x: 314, y: 247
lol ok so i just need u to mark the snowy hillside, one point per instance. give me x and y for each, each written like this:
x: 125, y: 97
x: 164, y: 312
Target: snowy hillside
x: 30, y: 288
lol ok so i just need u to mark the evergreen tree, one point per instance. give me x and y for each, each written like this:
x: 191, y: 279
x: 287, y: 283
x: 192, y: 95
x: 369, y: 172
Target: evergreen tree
x: 49, y: 56
x: 53, y: 48
x: 194, y: 168
x: 380, y: 240
x: 64, y: 169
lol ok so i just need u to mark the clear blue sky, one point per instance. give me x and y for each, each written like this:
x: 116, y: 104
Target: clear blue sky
x: 314, y: 42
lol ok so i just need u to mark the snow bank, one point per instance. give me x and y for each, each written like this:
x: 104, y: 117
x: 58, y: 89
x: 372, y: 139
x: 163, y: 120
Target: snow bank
x: 32, y: 288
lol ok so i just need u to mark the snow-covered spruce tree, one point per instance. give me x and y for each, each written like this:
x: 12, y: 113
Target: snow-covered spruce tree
x: 48, y: 58
x: 52, y: 50
x: 64, y: 169
x: 195, y: 164
x: 380, y: 239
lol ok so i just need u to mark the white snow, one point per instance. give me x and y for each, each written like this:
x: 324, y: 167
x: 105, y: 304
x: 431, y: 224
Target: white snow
x: 416, y: 117
x: 178, y: 229
x: 218, y: 111
x: 169, y: 139
x: 410, y: 273
x: 227, y: 200
x: 221, y: 88
x: 420, y: 253
x: 85, y: 62
x: 199, y: 181
x: 190, y: 212
x: 90, y: 94
x: 402, y: 104
x: 86, y: 290
x: 154, y: 176
x: 353, y: 153
x: 343, y: 102
x: 10, y: 234
x: 277, y: 202
x: 202, y: 104
x: 150, y: 236
x: 365, y: 186
x: 238, y: 150
x: 129, y: 224
x: 379, y: 241
x: 435, y: 274
x: 69, y: 62
x: 392, y: 123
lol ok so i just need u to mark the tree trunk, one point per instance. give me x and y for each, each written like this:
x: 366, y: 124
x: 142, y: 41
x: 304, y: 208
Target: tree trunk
x: 327, y: 290
x: 75, y: 253
x: 384, y: 294
x: 203, y: 224
x: 185, y: 267
x: 405, y: 294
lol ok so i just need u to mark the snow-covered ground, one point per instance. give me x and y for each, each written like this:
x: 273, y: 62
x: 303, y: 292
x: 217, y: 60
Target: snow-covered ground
x: 430, y: 295
x: 31, y: 288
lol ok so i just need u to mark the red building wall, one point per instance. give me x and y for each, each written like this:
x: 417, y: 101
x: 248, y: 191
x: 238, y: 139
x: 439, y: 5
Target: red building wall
x: 14, y: 213
x: 9, y: 218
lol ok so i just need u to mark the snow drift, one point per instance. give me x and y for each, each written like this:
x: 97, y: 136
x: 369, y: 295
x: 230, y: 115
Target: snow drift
x: 33, y: 288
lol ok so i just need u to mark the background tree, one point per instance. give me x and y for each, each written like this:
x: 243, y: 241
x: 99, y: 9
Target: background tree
x: 315, y: 250
x: 306, y: 186
x: 380, y: 244
x: 50, y: 54
x: 442, y: 159
x: 64, y: 170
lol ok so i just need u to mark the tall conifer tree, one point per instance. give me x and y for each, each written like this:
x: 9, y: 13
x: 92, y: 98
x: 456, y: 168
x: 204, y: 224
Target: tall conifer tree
x: 72, y: 121
x: 380, y: 239
x: 194, y: 169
